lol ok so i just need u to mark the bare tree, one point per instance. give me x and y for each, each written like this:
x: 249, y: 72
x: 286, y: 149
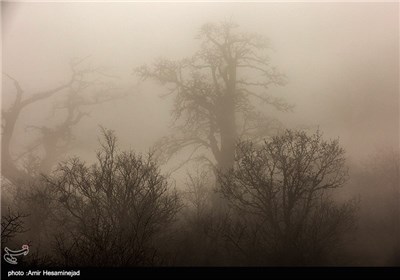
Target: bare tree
x: 281, y: 191
x: 54, y: 141
x: 114, y: 212
x: 213, y: 92
x: 12, y: 224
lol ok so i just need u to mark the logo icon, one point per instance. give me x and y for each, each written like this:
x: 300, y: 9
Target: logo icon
x: 9, y: 256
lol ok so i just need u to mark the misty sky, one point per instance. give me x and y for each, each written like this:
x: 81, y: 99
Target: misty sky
x: 341, y: 59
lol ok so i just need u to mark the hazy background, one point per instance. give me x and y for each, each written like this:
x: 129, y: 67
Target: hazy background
x: 341, y: 60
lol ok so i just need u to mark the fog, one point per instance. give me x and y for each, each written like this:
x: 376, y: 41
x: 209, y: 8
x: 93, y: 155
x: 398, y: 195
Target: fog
x: 341, y: 61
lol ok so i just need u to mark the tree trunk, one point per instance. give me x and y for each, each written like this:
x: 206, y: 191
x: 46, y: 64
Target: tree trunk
x: 228, y: 120
x: 228, y: 134
x: 8, y: 168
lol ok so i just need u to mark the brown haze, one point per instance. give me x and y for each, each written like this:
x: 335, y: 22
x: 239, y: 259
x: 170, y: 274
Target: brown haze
x: 341, y: 61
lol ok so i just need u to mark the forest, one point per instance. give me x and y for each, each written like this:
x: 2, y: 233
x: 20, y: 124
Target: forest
x: 148, y: 134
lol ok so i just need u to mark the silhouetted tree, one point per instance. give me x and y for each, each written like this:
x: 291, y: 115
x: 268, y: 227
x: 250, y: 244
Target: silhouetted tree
x: 213, y: 91
x: 281, y: 191
x: 12, y: 224
x: 54, y: 141
x: 114, y: 212
x: 86, y: 86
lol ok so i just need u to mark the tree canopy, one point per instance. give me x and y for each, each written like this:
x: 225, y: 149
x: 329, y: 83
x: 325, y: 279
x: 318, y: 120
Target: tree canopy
x: 214, y: 92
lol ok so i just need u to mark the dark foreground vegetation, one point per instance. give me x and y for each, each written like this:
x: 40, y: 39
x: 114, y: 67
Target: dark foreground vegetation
x: 276, y: 206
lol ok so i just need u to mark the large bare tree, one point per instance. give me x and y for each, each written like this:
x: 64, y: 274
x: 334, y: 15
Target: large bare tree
x: 282, y: 192
x: 112, y: 213
x: 54, y: 141
x: 213, y: 93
